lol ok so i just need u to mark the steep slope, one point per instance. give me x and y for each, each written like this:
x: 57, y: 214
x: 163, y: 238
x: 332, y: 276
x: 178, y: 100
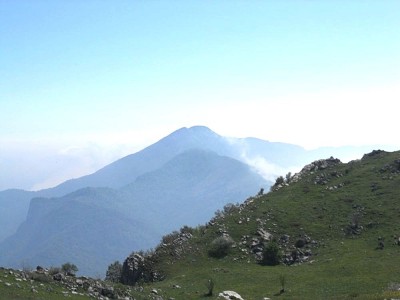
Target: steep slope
x: 95, y: 226
x: 336, y: 226
x: 14, y: 206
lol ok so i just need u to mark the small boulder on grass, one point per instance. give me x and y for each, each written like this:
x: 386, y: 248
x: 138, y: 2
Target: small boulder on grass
x: 58, y: 277
x: 229, y: 295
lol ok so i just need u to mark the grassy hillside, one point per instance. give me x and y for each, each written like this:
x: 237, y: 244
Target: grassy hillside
x: 341, y: 211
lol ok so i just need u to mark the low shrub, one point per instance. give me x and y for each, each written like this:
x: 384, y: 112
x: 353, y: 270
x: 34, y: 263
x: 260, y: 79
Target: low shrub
x: 40, y: 277
x: 114, y: 272
x: 271, y: 254
x: 210, y: 287
x: 69, y: 269
x: 220, y: 247
x: 54, y: 270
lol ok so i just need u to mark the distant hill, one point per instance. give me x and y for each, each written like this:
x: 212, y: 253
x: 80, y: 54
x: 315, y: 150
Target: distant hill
x: 93, y: 226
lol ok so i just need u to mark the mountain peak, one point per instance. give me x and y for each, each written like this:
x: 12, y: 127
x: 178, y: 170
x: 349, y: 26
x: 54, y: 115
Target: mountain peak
x: 197, y: 129
x: 201, y: 128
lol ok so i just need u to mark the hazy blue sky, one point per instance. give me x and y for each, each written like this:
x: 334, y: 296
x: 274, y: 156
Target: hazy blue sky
x: 85, y: 82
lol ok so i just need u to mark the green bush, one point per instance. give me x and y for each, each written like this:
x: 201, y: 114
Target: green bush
x: 271, y: 254
x: 279, y: 180
x: 40, y: 277
x: 114, y: 272
x: 170, y: 238
x: 187, y: 229
x: 69, y: 269
x: 220, y: 247
x: 210, y: 287
x: 230, y: 208
x: 54, y: 270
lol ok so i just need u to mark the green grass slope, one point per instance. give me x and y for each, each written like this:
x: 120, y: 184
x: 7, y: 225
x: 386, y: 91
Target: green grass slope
x: 341, y: 210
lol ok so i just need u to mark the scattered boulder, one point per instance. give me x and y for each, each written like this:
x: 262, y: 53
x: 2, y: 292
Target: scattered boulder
x: 230, y: 295
x: 108, y: 292
x: 393, y: 167
x: 58, y: 277
x: 300, y: 243
x: 266, y: 236
x: 374, y: 187
x: 176, y: 286
x: 79, y: 282
x: 39, y: 269
x: 154, y: 291
x: 71, y: 285
x: 321, y: 179
x: 284, y: 238
x: 257, y: 247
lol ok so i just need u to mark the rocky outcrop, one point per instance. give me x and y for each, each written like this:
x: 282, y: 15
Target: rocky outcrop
x: 321, y: 164
x: 265, y: 235
x: 393, y: 167
x: 318, y: 165
x: 374, y: 153
x: 58, y: 277
x: 132, y: 269
x: 138, y: 267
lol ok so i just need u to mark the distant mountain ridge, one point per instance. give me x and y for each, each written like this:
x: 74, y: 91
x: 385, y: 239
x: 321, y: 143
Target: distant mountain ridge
x: 126, y: 169
x: 14, y: 203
